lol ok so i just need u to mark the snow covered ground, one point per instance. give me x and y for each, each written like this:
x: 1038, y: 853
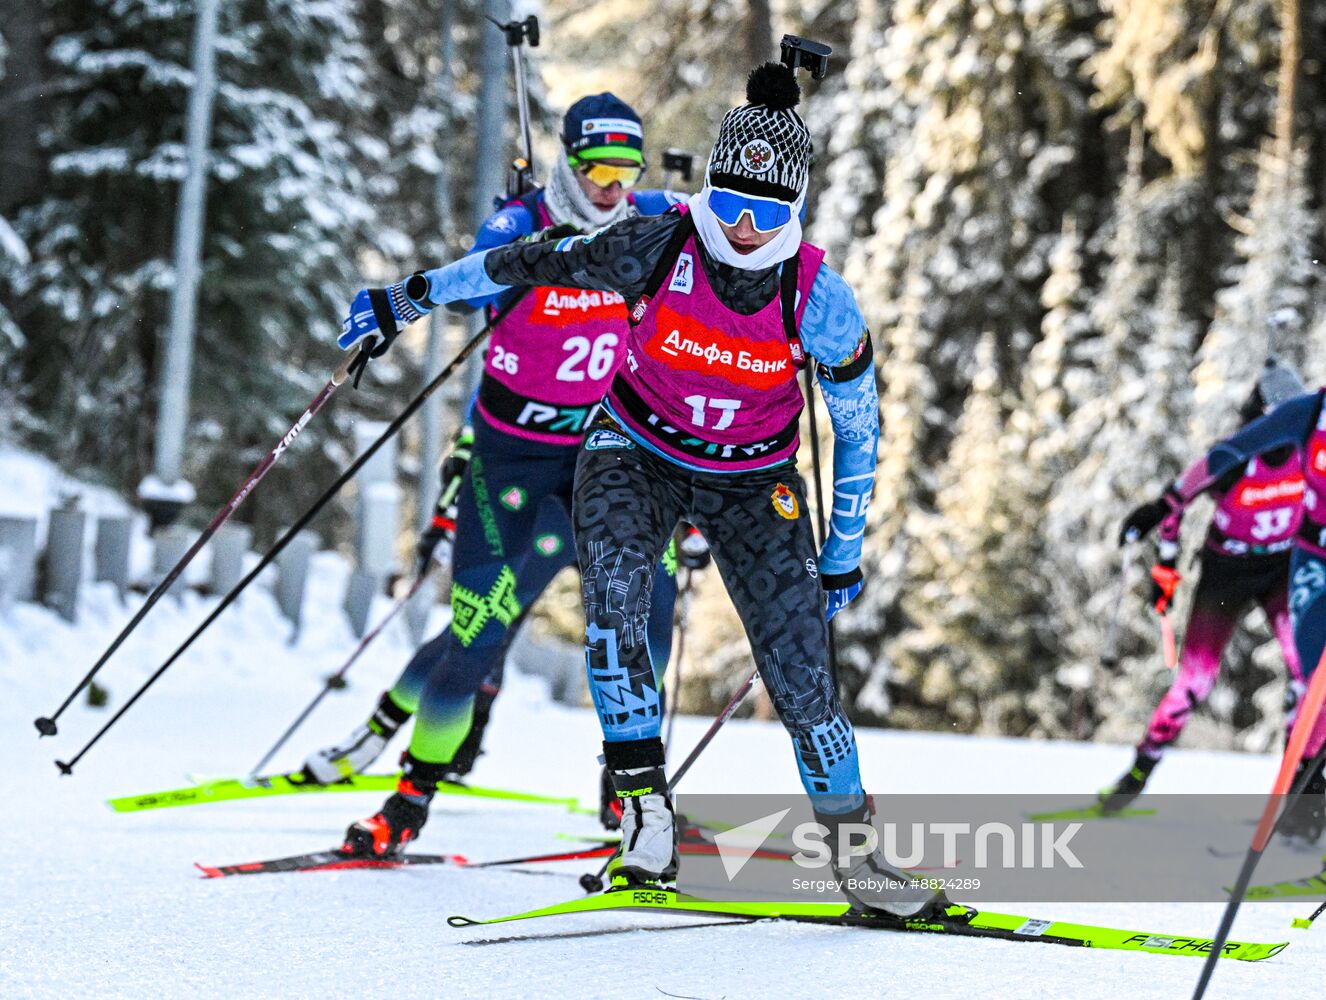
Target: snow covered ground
x: 94, y: 903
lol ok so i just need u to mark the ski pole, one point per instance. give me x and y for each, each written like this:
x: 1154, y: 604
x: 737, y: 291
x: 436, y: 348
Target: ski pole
x: 728, y: 711
x: 1298, y: 739
x: 594, y: 882
x: 298, y: 526
x: 1110, y: 658
x: 46, y: 724
x: 674, y: 696
x: 1168, y: 642
x: 1305, y: 922
x: 334, y: 680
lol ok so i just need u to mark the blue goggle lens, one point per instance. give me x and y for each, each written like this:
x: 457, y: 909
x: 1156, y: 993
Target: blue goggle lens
x: 766, y: 215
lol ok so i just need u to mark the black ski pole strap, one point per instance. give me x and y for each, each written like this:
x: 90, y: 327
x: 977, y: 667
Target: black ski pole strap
x: 386, y: 320
x: 685, y: 227
x: 359, y: 366
x: 787, y: 294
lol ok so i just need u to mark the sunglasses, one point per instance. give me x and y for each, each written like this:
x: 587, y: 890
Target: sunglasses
x: 766, y: 214
x: 606, y: 174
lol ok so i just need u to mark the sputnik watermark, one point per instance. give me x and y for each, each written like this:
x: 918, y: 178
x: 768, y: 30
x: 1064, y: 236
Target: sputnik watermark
x: 1038, y: 846
x: 982, y: 848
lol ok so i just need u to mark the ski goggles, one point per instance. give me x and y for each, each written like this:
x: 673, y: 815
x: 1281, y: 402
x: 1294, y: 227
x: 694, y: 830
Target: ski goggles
x: 606, y: 174
x: 766, y: 214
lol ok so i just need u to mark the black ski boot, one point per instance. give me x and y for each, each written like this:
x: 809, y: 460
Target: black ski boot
x: 1306, y: 820
x: 1119, y: 795
x: 386, y: 833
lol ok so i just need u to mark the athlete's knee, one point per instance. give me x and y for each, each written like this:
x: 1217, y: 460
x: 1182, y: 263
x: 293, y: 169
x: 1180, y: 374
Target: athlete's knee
x: 476, y: 609
x: 802, y: 696
x: 616, y: 583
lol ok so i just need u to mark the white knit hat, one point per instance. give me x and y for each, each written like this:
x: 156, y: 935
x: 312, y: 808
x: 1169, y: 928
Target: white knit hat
x: 763, y: 148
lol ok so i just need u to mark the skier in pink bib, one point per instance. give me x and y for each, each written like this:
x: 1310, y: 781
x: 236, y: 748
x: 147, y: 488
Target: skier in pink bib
x: 727, y: 304
x: 504, y: 514
x: 1245, y: 559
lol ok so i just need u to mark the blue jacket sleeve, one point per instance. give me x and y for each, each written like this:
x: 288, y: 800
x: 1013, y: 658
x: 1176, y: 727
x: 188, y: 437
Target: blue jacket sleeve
x: 834, y: 333
x: 653, y: 202
x: 1288, y: 424
x: 502, y: 227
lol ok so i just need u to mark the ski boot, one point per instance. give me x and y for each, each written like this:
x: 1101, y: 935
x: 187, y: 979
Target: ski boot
x: 386, y: 833
x: 1119, y: 795
x: 1306, y: 819
x: 876, y: 888
x: 360, y: 749
x: 648, y: 852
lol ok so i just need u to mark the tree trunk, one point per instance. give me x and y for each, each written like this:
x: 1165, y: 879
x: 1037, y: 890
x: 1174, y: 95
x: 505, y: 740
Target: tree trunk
x: 22, y: 102
x: 1290, y: 56
x: 759, y: 33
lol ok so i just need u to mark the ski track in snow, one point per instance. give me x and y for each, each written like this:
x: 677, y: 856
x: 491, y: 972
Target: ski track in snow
x: 94, y: 903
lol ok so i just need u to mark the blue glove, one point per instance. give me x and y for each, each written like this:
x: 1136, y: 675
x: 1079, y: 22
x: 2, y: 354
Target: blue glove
x: 842, y: 589
x: 377, y: 315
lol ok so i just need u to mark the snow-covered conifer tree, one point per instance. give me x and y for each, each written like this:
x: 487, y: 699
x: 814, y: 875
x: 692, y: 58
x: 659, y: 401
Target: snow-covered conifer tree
x: 288, y: 216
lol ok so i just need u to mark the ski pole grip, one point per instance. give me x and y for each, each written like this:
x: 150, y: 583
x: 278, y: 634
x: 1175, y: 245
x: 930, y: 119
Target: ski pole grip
x: 462, y: 922
x: 347, y: 366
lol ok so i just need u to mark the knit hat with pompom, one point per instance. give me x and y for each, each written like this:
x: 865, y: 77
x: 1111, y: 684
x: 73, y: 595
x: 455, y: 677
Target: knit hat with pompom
x: 763, y: 148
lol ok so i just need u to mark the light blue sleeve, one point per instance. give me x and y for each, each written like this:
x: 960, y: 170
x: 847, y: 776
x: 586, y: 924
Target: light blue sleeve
x: 835, y: 334
x: 655, y: 201
x: 504, y: 226
x: 463, y: 279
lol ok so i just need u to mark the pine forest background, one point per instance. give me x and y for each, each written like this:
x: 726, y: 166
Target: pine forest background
x: 1067, y: 222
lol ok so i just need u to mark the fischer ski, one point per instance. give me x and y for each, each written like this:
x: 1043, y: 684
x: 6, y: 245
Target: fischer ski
x: 987, y: 924
x: 335, y: 860
x: 1093, y: 811
x: 294, y: 782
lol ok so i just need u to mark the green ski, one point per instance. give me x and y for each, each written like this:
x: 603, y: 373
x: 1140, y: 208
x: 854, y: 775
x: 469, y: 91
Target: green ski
x: 1092, y: 811
x: 230, y: 789
x: 986, y: 924
x: 1313, y: 885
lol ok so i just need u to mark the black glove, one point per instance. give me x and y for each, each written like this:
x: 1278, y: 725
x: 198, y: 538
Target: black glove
x: 453, y: 467
x: 443, y: 526
x: 692, y: 549
x: 441, y: 531
x: 1142, y: 521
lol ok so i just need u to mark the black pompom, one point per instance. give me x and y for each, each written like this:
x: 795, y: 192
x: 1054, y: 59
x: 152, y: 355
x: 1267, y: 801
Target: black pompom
x: 773, y: 85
